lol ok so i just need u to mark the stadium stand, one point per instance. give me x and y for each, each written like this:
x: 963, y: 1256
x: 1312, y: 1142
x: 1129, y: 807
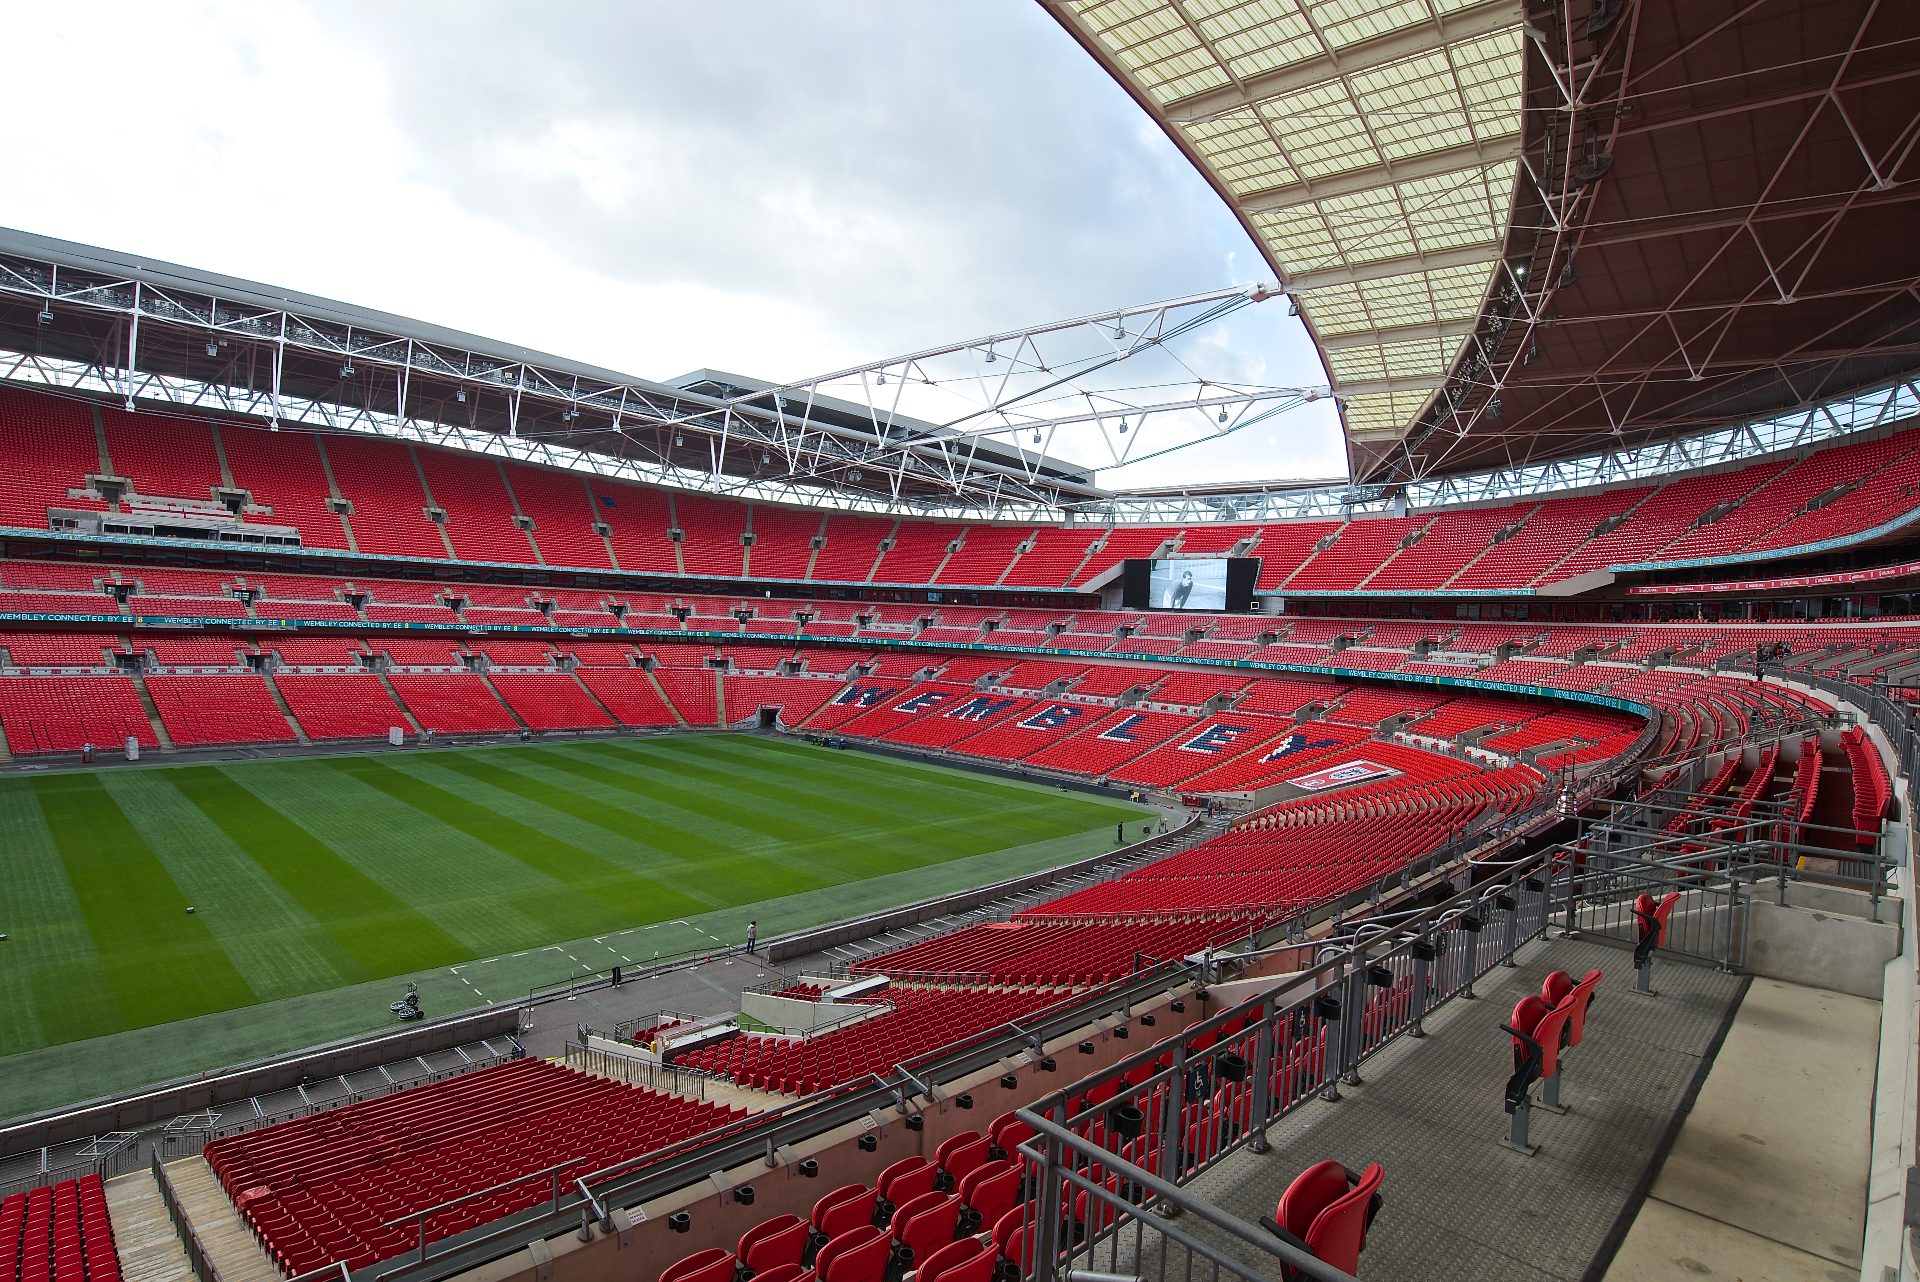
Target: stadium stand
x: 58, y: 1233
x: 319, y: 1189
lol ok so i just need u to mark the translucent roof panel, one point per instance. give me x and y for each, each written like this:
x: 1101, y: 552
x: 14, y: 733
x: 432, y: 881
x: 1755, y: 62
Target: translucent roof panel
x: 1370, y: 146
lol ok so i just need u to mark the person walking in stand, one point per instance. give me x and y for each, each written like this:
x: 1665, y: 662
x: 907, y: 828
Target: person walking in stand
x: 753, y: 936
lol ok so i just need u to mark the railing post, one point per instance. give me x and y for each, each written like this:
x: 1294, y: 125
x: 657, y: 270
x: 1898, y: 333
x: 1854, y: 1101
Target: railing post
x: 1423, y: 954
x: 1172, y: 1134
x: 1471, y: 925
x: 1355, y: 1028
x: 1326, y: 1005
x: 1506, y: 903
x: 1047, y: 1208
x: 1260, y: 1107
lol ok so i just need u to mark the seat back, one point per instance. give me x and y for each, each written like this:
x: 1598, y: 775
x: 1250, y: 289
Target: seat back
x: 1577, y: 1003
x: 961, y: 1160
x: 907, y: 1179
x: 1664, y: 913
x: 848, y: 1213
x: 701, y: 1266
x: 841, y: 1243
x: 907, y: 1210
x: 1312, y: 1191
x: 861, y: 1261
x: 784, y: 1273
x: 999, y: 1193
x: 1555, y: 987
x: 953, y: 1142
x: 1339, y: 1232
x: 782, y: 1243
x: 951, y: 1257
x: 930, y: 1227
x: 833, y: 1197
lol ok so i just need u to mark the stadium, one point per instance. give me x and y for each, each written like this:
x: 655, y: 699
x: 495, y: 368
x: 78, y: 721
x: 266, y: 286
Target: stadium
x: 473, y: 813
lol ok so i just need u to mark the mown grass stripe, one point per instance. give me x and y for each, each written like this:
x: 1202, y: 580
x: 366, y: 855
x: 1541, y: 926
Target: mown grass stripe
x: 376, y: 932
x: 159, y: 962
x: 51, y: 979
x: 622, y: 895
x: 279, y: 946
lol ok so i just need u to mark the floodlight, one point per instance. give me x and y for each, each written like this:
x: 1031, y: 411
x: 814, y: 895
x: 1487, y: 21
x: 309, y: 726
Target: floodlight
x: 460, y: 394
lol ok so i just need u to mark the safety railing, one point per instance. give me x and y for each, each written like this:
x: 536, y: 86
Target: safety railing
x: 1111, y: 1150
x: 634, y: 1070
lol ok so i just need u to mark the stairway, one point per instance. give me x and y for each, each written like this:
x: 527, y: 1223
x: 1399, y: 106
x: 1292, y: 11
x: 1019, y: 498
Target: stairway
x: 230, y: 1245
x: 394, y: 694
x: 160, y: 735
x: 286, y: 709
x: 143, y: 1233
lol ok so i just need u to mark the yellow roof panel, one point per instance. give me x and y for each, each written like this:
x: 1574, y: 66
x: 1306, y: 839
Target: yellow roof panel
x: 1371, y: 145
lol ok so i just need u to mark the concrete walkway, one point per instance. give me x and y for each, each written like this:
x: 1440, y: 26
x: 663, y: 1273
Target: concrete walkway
x: 1767, y: 1179
x: 1460, y: 1207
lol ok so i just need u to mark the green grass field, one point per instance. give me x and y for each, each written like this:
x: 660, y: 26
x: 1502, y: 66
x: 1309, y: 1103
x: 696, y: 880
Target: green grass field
x: 312, y: 878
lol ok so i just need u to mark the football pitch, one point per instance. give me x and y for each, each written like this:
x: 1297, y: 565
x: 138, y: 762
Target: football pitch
x: 314, y: 875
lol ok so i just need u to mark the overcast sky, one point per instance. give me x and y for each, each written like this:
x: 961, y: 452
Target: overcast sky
x: 771, y: 187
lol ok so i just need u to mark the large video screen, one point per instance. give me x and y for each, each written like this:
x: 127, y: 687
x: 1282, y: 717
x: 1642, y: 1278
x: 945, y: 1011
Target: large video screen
x: 1220, y: 584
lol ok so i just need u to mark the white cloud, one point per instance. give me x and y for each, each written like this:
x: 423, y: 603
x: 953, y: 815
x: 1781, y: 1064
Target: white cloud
x: 771, y: 187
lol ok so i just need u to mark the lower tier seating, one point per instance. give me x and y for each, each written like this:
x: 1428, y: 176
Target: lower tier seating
x: 202, y: 711
x: 452, y: 704
x: 340, y: 705
x: 63, y: 714
x: 318, y: 1189
x: 58, y: 1233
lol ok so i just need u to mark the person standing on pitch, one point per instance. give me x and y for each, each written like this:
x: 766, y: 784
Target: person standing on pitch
x: 753, y: 936
x: 1120, y: 833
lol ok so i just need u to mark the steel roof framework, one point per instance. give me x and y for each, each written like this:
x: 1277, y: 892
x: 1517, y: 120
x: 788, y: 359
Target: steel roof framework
x: 164, y: 335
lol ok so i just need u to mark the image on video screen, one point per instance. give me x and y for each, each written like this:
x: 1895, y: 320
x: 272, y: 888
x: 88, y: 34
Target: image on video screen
x: 1188, y: 585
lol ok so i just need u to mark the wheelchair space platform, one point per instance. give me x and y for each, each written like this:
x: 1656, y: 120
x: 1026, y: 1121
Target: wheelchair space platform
x: 1458, y: 1204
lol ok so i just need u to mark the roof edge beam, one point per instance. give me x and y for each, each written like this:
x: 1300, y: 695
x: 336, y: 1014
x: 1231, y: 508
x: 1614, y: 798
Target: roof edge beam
x: 1394, y: 46
x: 1387, y: 268
x: 1381, y: 386
x: 1398, y: 334
x: 1480, y: 154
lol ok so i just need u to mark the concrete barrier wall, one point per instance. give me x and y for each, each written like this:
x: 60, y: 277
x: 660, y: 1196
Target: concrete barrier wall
x: 162, y: 1103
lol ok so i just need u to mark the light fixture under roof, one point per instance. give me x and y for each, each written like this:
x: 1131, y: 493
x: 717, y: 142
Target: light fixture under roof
x: 346, y: 370
x: 460, y: 394
x: 1223, y: 414
x: 213, y: 348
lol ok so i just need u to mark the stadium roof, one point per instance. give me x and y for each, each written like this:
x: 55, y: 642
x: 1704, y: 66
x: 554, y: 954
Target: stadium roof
x: 98, y: 319
x: 1522, y: 235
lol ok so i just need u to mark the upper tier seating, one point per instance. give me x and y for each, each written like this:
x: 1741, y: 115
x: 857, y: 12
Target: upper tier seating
x: 470, y: 489
x: 282, y: 471
x: 1844, y: 488
x: 382, y: 481
x: 782, y: 541
x: 47, y: 448
x: 176, y: 461
x: 561, y: 507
